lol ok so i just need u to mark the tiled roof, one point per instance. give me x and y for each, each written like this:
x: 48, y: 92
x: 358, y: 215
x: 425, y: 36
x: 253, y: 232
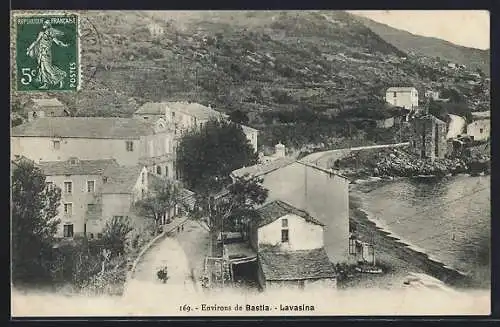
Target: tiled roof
x: 248, y: 129
x: 277, y: 209
x: 296, y: 265
x: 401, y: 89
x: 262, y: 169
x: 481, y: 114
x: 120, y: 179
x: 85, y: 127
x: 79, y: 167
x: 196, y: 110
x: 193, y: 109
x: 52, y: 102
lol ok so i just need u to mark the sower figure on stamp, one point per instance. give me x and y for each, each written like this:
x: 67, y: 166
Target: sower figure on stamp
x: 41, y: 50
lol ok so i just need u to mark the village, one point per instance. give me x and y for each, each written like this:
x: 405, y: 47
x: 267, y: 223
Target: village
x: 301, y: 236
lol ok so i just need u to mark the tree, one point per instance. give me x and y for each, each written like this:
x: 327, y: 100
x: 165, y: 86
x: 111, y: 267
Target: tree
x: 235, y: 206
x: 34, y: 224
x: 115, y: 235
x: 207, y: 156
x: 165, y: 195
x: 239, y: 117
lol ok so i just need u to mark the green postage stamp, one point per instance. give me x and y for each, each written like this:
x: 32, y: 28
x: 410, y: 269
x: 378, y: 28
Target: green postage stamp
x: 47, y: 52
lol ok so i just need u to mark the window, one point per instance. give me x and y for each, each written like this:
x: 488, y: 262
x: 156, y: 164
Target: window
x: 51, y: 114
x: 481, y: 130
x: 34, y: 114
x: 173, y: 114
x: 395, y: 94
x: 166, y: 171
x: 146, y: 117
x: 284, y: 235
x: 105, y: 179
x: 90, y: 186
x: 56, y: 145
x: 158, y: 170
x: 68, y: 230
x: 143, y: 178
x: 68, y: 187
x: 352, y: 246
x: 284, y: 223
x: 68, y: 209
x: 91, y: 207
x: 99, y: 235
x: 50, y: 186
x: 129, y: 145
x: 91, y: 236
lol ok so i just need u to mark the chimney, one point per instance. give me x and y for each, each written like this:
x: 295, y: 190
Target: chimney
x: 279, y: 150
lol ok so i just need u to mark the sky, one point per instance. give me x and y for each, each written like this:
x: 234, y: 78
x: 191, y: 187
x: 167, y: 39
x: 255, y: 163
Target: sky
x: 470, y: 28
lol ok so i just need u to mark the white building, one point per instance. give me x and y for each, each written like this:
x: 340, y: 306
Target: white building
x: 188, y: 115
x: 406, y: 97
x: 289, y: 244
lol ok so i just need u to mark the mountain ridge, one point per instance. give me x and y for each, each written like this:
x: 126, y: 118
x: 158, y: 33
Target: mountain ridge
x: 430, y: 46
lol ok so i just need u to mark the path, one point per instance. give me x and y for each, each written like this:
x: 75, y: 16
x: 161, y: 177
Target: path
x: 166, y: 251
x: 183, y: 252
x: 323, y: 158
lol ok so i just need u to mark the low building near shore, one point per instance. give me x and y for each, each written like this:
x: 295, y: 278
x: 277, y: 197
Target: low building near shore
x: 285, y: 248
x: 323, y: 193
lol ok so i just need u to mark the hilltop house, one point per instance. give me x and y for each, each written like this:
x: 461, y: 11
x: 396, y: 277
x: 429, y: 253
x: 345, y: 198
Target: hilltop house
x: 187, y: 115
x: 321, y: 192
x: 286, y: 244
x: 130, y: 141
x: 479, y: 129
x: 93, y: 191
x: 406, y: 97
x: 39, y: 108
x: 428, y: 137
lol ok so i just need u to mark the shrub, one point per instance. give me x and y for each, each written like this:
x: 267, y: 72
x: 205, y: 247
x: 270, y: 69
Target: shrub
x: 115, y: 235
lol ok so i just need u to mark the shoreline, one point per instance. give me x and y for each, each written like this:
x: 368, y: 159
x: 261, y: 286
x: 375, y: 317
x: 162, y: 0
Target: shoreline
x: 393, y: 250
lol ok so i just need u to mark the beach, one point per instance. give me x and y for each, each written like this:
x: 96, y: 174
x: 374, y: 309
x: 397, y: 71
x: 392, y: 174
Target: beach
x: 440, y: 228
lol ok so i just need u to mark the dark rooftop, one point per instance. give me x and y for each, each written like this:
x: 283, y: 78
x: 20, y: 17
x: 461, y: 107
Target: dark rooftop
x: 76, y: 167
x: 85, y: 127
x: 120, y: 179
x: 276, y: 209
x: 296, y: 265
x: 262, y: 169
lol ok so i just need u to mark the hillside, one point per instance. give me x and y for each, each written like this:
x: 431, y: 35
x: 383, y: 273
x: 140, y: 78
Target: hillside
x: 286, y: 70
x: 429, y: 46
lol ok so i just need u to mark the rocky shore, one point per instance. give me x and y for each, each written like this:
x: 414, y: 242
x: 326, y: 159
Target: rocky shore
x: 401, y: 163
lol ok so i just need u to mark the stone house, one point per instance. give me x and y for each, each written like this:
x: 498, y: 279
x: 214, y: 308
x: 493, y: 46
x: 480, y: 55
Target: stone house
x: 479, y: 129
x: 128, y: 140
x: 93, y: 191
x: 322, y: 193
x: 428, y: 137
x: 289, y: 245
x: 40, y: 108
x: 284, y: 247
x: 188, y: 115
x: 405, y: 97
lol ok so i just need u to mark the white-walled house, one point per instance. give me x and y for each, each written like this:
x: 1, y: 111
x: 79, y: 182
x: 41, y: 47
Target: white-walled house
x: 406, y: 97
x: 324, y: 194
x: 289, y: 245
x: 128, y: 140
x: 188, y: 115
x: 92, y: 192
x: 479, y: 129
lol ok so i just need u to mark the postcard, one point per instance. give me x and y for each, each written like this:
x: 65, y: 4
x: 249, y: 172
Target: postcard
x: 250, y: 163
